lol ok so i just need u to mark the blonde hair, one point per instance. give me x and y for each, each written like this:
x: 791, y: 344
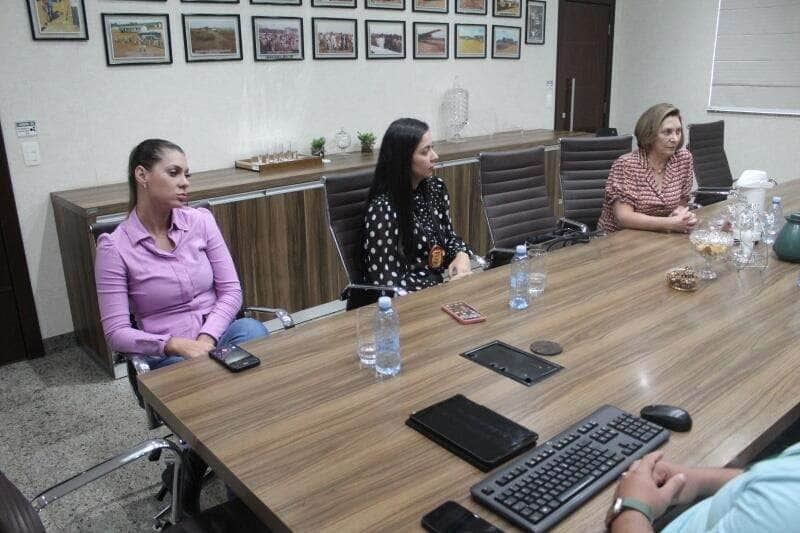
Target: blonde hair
x: 649, y: 124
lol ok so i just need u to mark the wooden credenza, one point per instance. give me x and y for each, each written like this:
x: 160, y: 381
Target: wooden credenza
x: 275, y: 226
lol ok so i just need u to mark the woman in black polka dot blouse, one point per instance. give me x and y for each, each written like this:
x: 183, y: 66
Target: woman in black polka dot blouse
x: 408, y: 238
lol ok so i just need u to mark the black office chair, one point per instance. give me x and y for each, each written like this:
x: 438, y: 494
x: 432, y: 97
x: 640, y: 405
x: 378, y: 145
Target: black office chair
x: 711, y: 168
x: 346, y: 200
x: 515, y: 201
x: 606, y: 132
x: 18, y: 515
x: 585, y: 164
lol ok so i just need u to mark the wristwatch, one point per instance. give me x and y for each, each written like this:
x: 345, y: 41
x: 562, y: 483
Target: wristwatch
x: 621, y: 504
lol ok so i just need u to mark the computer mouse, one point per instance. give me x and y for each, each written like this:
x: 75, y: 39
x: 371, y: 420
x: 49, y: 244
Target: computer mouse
x: 668, y: 416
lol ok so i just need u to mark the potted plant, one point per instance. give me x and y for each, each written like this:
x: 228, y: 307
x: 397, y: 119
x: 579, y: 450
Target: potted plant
x: 367, y: 141
x: 318, y: 146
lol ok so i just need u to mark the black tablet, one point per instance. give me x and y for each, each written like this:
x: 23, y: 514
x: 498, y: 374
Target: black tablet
x: 512, y: 362
x: 475, y: 433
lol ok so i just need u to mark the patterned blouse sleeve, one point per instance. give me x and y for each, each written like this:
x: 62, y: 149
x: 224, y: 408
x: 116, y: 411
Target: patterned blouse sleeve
x: 618, y: 186
x: 453, y: 243
x: 382, y: 263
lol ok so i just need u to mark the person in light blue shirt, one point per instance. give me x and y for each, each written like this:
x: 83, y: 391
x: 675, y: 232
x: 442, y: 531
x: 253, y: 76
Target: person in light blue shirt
x: 763, y: 498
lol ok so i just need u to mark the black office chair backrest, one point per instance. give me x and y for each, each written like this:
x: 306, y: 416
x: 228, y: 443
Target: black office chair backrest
x: 514, y: 196
x: 17, y: 515
x: 346, y: 199
x: 707, y: 145
x: 108, y: 226
x: 606, y: 132
x: 585, y: 164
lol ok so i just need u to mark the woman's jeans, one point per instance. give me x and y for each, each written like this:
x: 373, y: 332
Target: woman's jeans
x: 241, y: 330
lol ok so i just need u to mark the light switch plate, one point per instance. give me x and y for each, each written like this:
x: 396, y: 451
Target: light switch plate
x: 30, y: 153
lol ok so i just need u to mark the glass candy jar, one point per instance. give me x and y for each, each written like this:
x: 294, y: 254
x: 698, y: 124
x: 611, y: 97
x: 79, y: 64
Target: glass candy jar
x: 456, y: 110
x: 342, y: 139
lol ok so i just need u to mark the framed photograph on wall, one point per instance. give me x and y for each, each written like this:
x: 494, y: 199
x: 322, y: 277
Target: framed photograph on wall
x: 506, y: 42
x: 470, y: 41
x: 535, y: 21
x: 386, y: 39
x: 471, y: 7
x: 279, y: 2
x: 278, y: 38
x: 430, y: 40
x: 136, y: 38
x: 212, y: 37
x: 507, y: 8
x: 399, y: 5
x: 334, y: 38
x: 429, y: 6
x: 210, y: 1
x: 334, y: 3
x: 58, y: 20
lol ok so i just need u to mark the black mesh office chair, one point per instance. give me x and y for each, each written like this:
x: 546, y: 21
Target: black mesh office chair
x: 585, y: 164
x: 346, y: 199
x: 18, y: 515
x: 711, y: 168
x: 515, y: 200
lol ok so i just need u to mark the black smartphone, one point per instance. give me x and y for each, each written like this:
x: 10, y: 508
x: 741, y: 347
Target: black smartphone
x: 451, y: 517
x: 234, y: 358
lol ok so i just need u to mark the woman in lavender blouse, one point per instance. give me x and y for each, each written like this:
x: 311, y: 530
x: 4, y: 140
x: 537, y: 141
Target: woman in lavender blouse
x: 168, y: 265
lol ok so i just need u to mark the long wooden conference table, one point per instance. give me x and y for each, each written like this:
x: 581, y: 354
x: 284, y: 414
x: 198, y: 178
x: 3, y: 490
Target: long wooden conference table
x: 313, y: 442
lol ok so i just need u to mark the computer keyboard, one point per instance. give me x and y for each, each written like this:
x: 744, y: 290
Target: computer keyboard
x: 544, y: 485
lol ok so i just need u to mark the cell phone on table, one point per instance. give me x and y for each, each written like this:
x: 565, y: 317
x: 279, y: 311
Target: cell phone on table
x: 451, y: 517
x: 463, y: 312
x: 234, y: 358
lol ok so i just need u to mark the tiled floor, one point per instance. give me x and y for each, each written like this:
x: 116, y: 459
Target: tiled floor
x: 60, y: 415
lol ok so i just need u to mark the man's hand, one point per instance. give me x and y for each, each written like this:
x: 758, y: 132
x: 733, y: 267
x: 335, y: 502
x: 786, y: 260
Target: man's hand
x: 663, y: 471
x: 639, y: 482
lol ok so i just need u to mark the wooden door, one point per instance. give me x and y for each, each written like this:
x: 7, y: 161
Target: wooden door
x: 583, y: 71
x: 19, y: 335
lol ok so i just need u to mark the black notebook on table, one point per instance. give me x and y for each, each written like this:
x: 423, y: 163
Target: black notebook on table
x: 473, y: 432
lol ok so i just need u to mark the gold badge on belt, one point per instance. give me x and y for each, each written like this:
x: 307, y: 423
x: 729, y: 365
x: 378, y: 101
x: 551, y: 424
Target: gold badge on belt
x: 436, y: 256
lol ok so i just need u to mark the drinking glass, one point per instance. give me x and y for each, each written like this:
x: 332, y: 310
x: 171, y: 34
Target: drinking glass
x: 365, y: 334
x: 537, y: 269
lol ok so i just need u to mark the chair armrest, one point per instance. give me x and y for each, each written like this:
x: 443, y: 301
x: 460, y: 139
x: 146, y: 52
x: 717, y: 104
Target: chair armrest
x: 286, y: 319
x: 139, y: 364
x: 568, y: 222
x: 724, y: 191
x: 398, y: 291
x: 143, y: 449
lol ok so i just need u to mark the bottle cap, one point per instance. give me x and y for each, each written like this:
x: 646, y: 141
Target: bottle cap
x: 384, y: 302
x: 521, y: 250
x: 776, y: 199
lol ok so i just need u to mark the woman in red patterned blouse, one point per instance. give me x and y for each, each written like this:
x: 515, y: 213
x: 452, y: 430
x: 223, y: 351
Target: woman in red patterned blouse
x: 649, y: 188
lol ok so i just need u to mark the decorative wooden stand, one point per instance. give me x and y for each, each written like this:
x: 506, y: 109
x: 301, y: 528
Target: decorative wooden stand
x: 260, y: 165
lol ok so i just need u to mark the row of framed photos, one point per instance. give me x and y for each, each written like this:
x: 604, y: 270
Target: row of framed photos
x: 500, y: 8
x: 137, y: 39
x: 66, y: 19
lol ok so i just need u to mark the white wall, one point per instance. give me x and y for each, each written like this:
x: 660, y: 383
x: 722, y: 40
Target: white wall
x: 663, y: 52
x: 90, y: 115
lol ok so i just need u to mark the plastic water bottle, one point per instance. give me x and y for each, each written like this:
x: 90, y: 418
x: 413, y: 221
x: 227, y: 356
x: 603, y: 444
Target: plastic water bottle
x: 519, y: 296
x: 387, y: 338
x: 773, y: 221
